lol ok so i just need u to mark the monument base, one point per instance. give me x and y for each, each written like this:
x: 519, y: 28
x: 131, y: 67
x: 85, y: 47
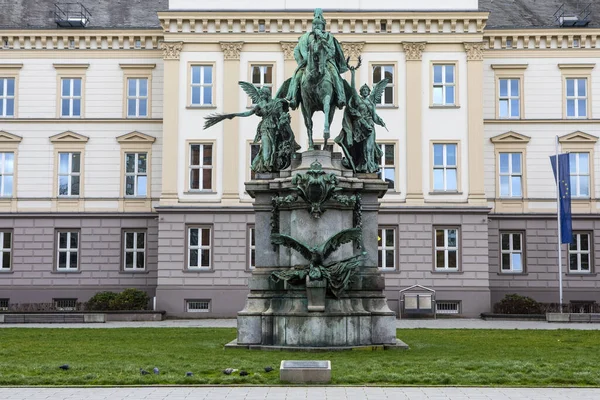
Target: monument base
x: 398, y: 345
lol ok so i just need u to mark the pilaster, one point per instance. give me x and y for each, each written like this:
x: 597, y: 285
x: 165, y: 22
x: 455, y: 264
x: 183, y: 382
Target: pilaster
x: 171, y: 51
x: 414, y: 97
x: 475, y: 122
x: 231, y: 101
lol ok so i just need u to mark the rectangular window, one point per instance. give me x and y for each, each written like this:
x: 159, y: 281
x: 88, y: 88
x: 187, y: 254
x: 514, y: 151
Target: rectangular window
x: 5, y: 250
x: 70, y: 97
x: 387, y: 162
x: 197, y: 305
x: 579, y: 253
x: 386, y: 248
x: 576, y: 97
x: 4, y: 304
x: 199, y: 239
x: 262, y: 76
x: 251, y: 247
x: 446, y: 249
x: 68, y: 251
x: 7, y: 97
x: 65, y: 304
x: 445, y: 167
x: 69, y: 171
x: 137, y: 97
x: 511, y: 252
x: 511, y: 175
x: 136, y: 174
x: 447, y: 307
x: 201, y: 167
x: 381, y: 72
x: 202, y: 85
x: 580, y: 174
x: 7, y: 172
x: 510, y: 98
x: 444, y: 85
x: 134, y: 251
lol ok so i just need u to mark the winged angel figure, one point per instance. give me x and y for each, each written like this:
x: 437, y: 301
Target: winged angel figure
x: 277, y: 142
x: 357, y: 138
x: 338, y: 274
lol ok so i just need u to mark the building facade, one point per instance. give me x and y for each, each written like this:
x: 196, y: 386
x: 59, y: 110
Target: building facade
x: 109, y: 180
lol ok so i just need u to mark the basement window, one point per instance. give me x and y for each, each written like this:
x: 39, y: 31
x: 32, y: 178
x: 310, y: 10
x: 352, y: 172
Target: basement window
x: 198, y: 305
x: 4, y: 304
x: 65, y: 304
x: 447, y: 307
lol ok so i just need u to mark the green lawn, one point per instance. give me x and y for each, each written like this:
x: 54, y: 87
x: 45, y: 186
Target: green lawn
x: 436, y: 357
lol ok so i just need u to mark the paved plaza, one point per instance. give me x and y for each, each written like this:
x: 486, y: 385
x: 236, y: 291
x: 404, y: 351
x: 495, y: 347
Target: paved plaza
x: 443, y: 323
x: 297, y: 393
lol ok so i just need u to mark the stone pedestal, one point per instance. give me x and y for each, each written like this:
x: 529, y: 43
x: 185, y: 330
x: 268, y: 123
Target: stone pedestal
x: 282, y: 315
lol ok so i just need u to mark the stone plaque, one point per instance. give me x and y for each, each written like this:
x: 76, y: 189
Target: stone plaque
x: 304, y: 364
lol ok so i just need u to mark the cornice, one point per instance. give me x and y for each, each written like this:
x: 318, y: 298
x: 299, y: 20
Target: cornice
x: 84, y: 39
x: 549, y: 38
x: 174, y: 22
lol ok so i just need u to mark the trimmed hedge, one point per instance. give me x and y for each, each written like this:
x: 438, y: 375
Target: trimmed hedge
x: 127, y: 300
x: 517, y: 304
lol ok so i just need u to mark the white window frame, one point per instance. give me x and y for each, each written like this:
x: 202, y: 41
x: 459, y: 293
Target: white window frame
x: 68, y: 250
x: 4, y: 250
x: 135, y: 250
x: 188, y: 302
x: 263, y: 68
x: 579, y: 252
x: 509, y: 98
x: 251, y: 247
x: 445, y: 167
x: 383, y: 248
x: 5, y: 97
x: 446, y: 248
x: 444, y: 85
x: 201, y: 167
x: 4, y: 174
x: 510, y: 251
x: 136, y: 174
x: 510, y: 174
x: 202, y: 84
x: 71, y: 97
x: 387, y: 167
x: 137, y: 98
x: 575, y: 176
x: 576, y: 97
x: 199, y: 248
x: 383, y: 68
x: 70, y: 174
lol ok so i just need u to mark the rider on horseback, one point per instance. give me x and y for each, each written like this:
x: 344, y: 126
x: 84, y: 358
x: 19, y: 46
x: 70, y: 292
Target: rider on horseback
x: 335, y: 60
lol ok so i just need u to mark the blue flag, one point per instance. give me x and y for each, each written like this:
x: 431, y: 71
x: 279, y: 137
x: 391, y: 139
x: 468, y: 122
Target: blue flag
x: 564, y: 192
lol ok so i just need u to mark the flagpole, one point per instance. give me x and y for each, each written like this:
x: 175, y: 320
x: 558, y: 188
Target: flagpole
x: 560, y: 285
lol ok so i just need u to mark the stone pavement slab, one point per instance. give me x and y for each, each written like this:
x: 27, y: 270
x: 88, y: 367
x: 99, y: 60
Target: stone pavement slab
x: 442, y: 323
x: 298, y: 393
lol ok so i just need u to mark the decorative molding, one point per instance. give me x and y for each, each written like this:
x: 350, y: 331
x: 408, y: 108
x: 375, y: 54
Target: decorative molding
x: 414, y: 50
x: 288, y: 50
x: 11, y: 66
x: 70, y: 66
x: 578, y: 137
x: 136, y: 137
x: 510, y: 137
x: 69, y: 137
x: 171, y: 50
x: 589, y: 66
x: 474, y: 51
x: 509, y: 66
x: 353, y: 49
x: 137, y: 66
x: 88, y: 39
x: 7, y: 137
x: 231, y: 50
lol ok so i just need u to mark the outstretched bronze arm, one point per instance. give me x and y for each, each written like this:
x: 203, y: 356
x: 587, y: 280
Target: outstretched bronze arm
x: 216, y: 118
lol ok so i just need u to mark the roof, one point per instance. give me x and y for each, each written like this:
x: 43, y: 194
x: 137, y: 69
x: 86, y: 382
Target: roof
x: 105, y: 14
x: 140, y: 14
x: 507, y: 14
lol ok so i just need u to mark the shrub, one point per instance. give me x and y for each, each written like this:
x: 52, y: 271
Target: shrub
x: 130, y: 299
x: 516, y: 304
x: 100, y: 301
